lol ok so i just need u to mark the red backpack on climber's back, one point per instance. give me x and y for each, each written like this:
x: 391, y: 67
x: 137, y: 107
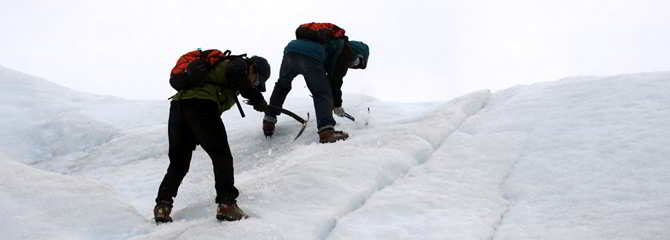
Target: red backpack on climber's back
x: 180, y: 76
x: 319, y: 32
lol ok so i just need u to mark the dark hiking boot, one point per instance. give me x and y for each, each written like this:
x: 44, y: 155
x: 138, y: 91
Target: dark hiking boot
x: 162, y: 212
x: 268, y: 128
x: 330, y: 135
x: 230, y: 212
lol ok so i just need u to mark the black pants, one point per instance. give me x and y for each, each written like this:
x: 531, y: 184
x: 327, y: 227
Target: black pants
x: 314, y: 73
x: 196, y: 121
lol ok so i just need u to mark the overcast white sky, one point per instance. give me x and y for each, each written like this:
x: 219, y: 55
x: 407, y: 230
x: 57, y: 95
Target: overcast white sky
x: 420, y: 50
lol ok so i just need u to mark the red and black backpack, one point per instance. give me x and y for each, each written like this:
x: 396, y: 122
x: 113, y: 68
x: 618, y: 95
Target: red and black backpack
x: 319, y: 32
x: 181, y: 79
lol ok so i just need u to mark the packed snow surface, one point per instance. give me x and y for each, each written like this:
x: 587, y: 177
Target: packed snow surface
x: 579, y: 158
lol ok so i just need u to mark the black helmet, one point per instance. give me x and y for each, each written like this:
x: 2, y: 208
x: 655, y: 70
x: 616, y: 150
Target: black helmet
x: 262, y: 69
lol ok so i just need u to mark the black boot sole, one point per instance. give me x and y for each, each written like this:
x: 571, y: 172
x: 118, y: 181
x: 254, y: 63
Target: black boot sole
x: 229, y: 219
x: 162, y: 220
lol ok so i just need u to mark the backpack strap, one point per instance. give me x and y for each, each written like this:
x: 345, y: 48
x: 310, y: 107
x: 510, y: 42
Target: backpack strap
x: 239, y: 107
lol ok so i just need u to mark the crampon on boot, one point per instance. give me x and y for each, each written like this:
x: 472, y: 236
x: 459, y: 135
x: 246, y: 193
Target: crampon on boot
x: 162, y: 212
x: 230, y: 212
x: 330, y: 135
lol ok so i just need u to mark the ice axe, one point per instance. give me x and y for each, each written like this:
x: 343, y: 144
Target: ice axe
x: 344, y: 114
x: 302, y: 121
x: 341, y: 113
x: 347, y: 115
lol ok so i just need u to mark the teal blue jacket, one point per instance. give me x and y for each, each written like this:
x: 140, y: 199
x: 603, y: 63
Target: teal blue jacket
x: 327, y: 54
x: 307, y: 48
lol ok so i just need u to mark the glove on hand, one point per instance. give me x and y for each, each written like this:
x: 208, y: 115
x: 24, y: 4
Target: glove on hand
x: 260, y: 105
x: 339, y: 111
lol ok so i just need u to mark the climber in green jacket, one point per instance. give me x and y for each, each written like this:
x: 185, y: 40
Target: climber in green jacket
x: 195, y: 119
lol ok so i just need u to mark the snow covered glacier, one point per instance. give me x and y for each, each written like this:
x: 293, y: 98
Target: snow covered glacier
x: 579, y: 158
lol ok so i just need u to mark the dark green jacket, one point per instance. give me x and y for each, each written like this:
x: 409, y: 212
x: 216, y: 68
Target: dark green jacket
x: 337, y: 63
x: 219, y: 89
x: 335, y: 51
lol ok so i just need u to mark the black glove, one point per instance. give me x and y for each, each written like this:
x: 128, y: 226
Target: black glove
x: 261, y: 106
x: 255, y: 98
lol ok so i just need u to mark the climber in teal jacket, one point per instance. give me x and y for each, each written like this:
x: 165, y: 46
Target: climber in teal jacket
x: 323, y: 65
